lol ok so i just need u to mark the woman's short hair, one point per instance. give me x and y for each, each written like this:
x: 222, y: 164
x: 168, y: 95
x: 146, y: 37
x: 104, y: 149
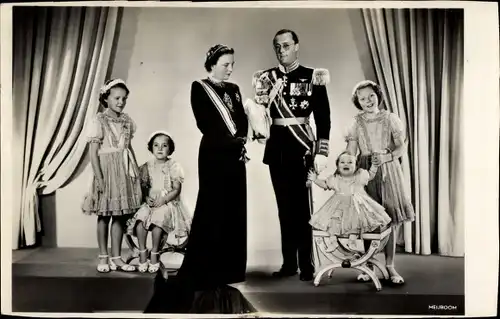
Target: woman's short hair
x: 170, y: 141
x: 106, y: 90
x: 366, y: 84
x: 214, y: 53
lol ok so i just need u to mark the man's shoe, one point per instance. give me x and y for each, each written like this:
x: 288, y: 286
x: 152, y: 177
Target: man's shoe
x: 306, y: 276
x: 284, y: 273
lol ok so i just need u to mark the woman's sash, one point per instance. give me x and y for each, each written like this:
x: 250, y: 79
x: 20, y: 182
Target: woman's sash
x: 221, y: 107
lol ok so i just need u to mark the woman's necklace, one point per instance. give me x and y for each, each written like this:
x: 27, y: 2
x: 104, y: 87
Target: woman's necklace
x: 215, y: 82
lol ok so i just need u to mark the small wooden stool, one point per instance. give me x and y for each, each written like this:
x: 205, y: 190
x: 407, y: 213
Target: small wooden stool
x: 343, y: 256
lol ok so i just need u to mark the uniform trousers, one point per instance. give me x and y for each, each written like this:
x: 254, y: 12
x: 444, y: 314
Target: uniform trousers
x: 292, y: 195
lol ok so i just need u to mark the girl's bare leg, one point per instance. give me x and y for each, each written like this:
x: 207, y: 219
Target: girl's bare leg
x: 390, y: 253
x: 142, y: 235
x: 102, y: 238
x: 157, y: 235
x: 117, y: 239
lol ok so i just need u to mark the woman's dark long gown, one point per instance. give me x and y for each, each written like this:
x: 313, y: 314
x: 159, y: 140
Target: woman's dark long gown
x: 217, y: 249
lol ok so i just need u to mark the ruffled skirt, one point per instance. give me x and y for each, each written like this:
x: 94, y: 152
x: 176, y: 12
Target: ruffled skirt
x: 171, y: 217
x: 388, y: 189
x: 122, y: 192
x: 350, y: 214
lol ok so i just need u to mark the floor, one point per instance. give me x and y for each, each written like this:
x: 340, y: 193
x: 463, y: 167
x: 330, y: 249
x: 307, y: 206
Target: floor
x: 65, y: 280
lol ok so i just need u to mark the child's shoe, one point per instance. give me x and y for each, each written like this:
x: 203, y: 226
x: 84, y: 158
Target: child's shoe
x: 125, y: 267
x: 103, y: 268
x: 143, y: 267
x: 395, y: 277
x: 154, y: 267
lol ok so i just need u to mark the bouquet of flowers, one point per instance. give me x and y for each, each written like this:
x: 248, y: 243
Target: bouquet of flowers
x: 257, y: 110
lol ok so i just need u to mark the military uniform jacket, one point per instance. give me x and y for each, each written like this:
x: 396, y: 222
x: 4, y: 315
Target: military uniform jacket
x: 303, y: 91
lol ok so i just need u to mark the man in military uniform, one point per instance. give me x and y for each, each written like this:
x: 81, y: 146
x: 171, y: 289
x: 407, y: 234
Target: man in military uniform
x: 291, y: 92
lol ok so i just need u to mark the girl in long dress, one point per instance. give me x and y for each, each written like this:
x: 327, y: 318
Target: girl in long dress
x: 217, y: 248
x: 379, y: 136
x: 163, y: 211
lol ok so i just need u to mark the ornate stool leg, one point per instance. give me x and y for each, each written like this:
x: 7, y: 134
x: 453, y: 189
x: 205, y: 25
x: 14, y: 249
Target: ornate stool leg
x: 320, y: 273
x: 330, y: 273
x: 371, y: 274
x: 381, y: 267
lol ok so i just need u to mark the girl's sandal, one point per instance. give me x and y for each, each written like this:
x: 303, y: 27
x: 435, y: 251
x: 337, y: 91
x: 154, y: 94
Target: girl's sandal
x: 143, y: 267
x: 103, y: 268
x: 364, y: 277
x: 395, y: 277
x: 154, y: 267
x: 125, y: 267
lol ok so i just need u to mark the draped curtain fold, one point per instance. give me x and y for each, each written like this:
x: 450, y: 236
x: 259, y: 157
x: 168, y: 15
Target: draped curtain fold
x: 418, y: 60
x: 60, y: 59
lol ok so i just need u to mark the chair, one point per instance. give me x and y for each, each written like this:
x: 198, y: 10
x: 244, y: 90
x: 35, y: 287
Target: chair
x: 343, y: 256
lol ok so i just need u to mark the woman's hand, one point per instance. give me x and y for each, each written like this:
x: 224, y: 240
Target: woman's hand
x: 241, y: 140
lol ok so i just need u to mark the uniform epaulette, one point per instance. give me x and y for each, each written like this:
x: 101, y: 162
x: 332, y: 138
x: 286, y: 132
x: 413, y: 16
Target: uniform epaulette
x: 320, y: 77
x: 256, y: 76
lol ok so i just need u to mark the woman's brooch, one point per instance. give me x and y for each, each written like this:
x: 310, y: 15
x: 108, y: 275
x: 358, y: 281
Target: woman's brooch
x: 228, y: 101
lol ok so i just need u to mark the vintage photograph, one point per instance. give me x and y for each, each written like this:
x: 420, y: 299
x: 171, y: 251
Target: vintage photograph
x: 235, y: 160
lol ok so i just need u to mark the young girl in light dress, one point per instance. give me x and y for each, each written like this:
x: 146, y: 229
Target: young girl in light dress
x: 163, y: 211
x: 350, y: 210
x: 379, y: 136
x: 115, y: 190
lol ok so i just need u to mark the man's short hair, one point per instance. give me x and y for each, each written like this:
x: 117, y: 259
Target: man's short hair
x: 284, y: 31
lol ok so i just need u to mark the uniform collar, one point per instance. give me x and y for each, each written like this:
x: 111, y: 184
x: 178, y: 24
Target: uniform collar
x: 290, y: 68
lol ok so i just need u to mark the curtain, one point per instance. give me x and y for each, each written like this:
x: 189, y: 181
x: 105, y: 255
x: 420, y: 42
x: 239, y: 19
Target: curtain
x: 60, y: 59
x: 418, y: 60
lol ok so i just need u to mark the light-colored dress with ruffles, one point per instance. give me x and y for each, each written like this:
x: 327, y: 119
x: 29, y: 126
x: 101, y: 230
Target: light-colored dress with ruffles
x: 350, y: 210
x: 158, y: 180
x: 122, y: 190
x: 387, y: 187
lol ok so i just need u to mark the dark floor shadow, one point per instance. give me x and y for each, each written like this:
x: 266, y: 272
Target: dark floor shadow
x: 177, y: 296
x: 260, y: 275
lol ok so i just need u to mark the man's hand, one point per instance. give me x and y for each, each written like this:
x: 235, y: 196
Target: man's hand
x: 320, y: 162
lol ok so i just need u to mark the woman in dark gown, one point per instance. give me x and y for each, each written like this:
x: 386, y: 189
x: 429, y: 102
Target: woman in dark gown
x: 217, y: 248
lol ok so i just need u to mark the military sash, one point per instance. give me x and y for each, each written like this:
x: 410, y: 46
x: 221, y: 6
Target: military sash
x: 303, y: 134
x: 221, y: 107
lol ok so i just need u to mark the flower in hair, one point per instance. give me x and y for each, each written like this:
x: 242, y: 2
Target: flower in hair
x: 105, y: 88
